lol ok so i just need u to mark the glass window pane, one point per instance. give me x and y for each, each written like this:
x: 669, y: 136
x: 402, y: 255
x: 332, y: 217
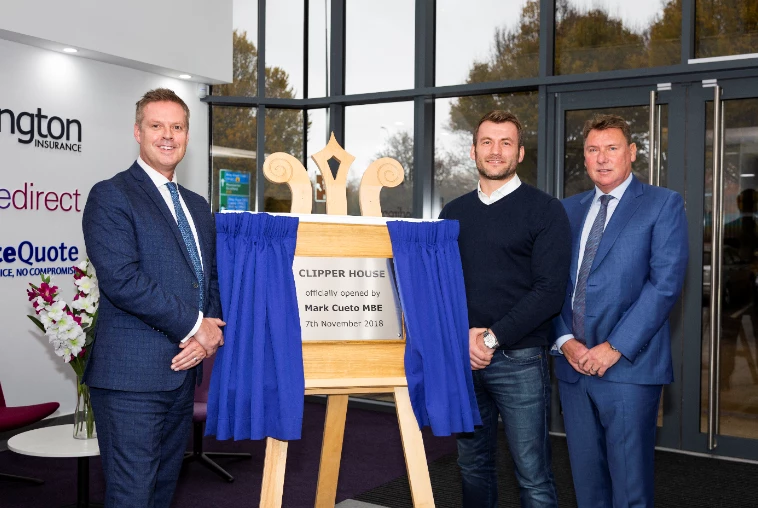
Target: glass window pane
x: 233, y: 150
x: 379, y: 47
x: 726, y: 27
x: 381, y: 130
x: 455, y: 120
x: 318, y: 136
x: 472, y: 48
x: 284, y: 133
x: 575, y: 178
x: 319, y: 32
x: 284, y: 49
x: 617, y: 34
x: 245, y: 52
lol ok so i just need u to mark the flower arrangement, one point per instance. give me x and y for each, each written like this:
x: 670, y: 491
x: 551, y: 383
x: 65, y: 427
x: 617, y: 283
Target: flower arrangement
x: 70, y: 328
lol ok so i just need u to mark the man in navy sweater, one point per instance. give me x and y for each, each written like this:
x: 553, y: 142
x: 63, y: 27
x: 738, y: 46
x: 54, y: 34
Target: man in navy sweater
x: 515, y: 246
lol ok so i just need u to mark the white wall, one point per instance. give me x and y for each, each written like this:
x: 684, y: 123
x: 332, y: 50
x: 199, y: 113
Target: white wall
x: 102, y: 97
x: 185, y: 37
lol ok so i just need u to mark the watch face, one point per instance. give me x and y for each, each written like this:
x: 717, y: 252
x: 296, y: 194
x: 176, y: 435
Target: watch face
x: 489, y: 340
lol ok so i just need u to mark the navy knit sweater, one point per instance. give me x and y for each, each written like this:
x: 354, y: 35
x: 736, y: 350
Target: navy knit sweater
x: 516, y: 254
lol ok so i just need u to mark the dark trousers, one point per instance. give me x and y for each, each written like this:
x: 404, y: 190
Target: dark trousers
x: 610, y: 429
x: 515, y: 385
x: 142, y: 438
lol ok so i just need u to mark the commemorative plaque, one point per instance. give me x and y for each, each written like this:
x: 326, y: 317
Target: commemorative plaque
x: 350, y: 317
x: 347, y: 298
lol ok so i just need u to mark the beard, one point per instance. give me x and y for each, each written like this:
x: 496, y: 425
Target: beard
x: 508, y: 172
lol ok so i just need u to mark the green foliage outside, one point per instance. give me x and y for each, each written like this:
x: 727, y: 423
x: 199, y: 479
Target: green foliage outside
x: 236, y: 127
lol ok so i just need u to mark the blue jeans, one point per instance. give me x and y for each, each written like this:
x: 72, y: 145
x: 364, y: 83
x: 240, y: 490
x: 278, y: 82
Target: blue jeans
x: 515, y: 385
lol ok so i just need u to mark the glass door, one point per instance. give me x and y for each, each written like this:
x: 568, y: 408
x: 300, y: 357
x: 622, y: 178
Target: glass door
x: 650, y: 167
x: 725, y: 126
x: 647, y: 111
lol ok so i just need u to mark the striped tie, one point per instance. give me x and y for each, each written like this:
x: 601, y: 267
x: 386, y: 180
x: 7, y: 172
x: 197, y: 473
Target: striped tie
x: 189, y: 239
x: 590, y: 249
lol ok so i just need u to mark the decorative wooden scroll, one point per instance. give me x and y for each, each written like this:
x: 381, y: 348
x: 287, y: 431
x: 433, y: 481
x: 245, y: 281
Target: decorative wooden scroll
x: 281, y: 167
x: 342, y: 368
x: 384, y: 172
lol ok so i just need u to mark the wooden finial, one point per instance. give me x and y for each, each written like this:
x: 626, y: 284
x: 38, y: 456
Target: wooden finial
x: 281, y: 167
x: 336, y: 188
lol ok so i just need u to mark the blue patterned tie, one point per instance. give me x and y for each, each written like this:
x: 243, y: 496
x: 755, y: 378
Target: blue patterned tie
x: 189, y: 239
x: 590, y: 249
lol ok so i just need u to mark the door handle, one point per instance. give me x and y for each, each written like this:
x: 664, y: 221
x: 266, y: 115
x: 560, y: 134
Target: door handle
x: 654, y: 157
x: 717, y: 242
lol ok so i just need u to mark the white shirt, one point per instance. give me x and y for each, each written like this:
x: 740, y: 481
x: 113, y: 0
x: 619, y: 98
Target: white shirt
x: 498, y: 194
x: 617, y: 194
x: 160, y: 182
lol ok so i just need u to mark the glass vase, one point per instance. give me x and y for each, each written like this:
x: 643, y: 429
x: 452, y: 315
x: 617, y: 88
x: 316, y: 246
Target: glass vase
x: 84, y: 418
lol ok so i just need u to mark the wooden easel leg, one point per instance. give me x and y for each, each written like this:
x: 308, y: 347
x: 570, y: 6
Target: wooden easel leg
x: 413, y: 447
x: 331, y: 451
x: 272, y: 486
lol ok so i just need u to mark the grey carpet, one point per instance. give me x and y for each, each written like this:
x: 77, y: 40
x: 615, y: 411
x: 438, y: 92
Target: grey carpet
x: 680, y: 481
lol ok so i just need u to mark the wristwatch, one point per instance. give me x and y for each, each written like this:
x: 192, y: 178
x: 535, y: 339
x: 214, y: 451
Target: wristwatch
x: 490, y: 340
x: 613, y: 348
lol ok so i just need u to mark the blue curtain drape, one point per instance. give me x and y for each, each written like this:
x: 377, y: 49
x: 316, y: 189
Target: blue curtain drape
x: 257, y: 385
x: 433, y: 298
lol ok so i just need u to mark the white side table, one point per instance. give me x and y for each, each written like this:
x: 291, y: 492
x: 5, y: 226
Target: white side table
x: 58, y: 441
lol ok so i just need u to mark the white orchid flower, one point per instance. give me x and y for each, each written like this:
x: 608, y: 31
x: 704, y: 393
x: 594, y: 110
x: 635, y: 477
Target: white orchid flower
x: 84, y: 284
x: 44, y: 318
x: 55, y: 311
x: 66, y: 323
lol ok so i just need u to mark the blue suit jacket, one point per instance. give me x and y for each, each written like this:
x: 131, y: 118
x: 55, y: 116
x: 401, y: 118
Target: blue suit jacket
x: 149, y: 291
x: 635, y: 279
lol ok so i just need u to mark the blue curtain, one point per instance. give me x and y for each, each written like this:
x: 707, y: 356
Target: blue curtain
x: 433, y: 298
x: 257, y: 385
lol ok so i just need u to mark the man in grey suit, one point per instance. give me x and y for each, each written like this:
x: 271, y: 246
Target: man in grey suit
x: 152, y: 243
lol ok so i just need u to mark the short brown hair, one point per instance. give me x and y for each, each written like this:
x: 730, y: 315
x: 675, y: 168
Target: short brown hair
x: 499, y: 116
x: 160, y: 95
x: 603, y: 122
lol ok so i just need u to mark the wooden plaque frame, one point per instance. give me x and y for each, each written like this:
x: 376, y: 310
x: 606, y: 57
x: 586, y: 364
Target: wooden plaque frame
x: 329, y: 366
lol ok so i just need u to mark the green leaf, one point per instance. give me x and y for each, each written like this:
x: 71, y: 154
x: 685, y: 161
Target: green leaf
x: 38, y: 323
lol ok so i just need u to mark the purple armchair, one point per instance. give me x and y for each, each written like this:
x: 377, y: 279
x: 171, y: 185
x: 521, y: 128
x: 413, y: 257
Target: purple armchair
x: 20, y: 416
x: 198, y: 422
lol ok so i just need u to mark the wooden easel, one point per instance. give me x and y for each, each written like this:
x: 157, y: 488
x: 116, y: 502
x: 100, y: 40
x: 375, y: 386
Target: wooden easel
x: 330, y: 367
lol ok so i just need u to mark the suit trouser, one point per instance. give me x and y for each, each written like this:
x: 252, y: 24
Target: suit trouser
x: 610, y: 429
x: 142, y: 438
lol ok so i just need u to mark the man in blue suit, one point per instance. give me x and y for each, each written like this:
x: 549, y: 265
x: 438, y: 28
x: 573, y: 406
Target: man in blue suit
x: 152, y: 244
x: 612, y: 349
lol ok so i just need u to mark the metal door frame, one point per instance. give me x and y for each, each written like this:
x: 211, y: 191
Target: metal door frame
x: 694, y: 116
